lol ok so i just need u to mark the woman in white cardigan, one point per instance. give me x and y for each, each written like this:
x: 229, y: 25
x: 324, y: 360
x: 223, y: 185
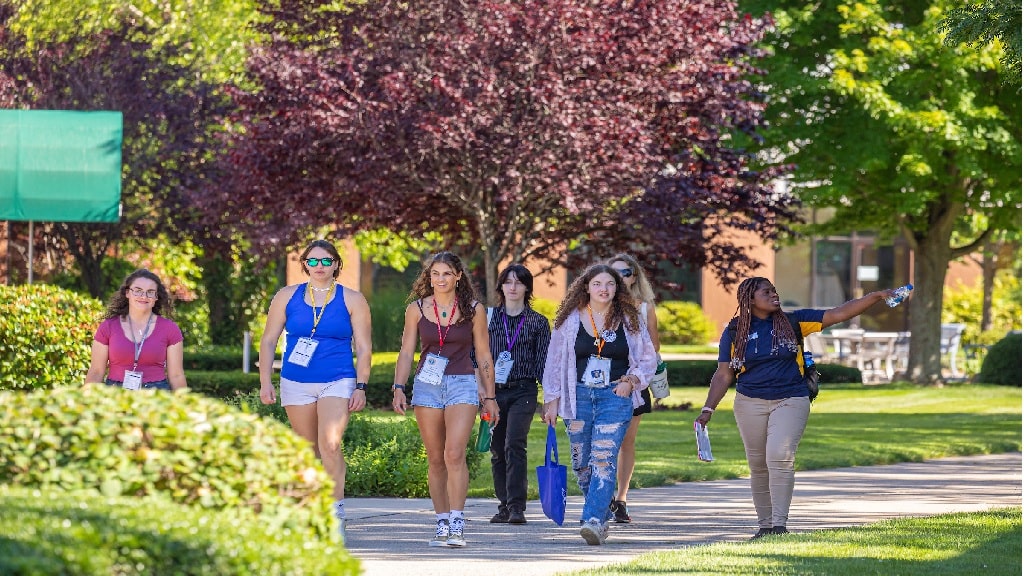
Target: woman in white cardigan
x: 599, y: 359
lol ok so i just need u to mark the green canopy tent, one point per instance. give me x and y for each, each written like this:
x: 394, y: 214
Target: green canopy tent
x: 59, y: 166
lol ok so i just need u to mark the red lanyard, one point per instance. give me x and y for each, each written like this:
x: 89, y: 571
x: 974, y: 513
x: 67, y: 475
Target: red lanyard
x: 598, y: 338
x: 437, y: 316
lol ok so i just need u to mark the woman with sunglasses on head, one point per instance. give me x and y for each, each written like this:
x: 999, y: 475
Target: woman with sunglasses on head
x: 448, y: 321
x: 599, y: 360
x: 640, y: 289
x: 321, y: 382
x: 519, y: 338
x: 137, y: 345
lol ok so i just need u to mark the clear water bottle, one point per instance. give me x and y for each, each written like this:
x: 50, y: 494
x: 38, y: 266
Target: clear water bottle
x: 899, y: 295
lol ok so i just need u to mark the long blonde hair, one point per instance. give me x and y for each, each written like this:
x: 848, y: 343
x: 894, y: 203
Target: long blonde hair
x: 782, y: 329
x: 641, y: 289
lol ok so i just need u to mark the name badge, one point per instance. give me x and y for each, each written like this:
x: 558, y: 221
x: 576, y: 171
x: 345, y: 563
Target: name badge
x: 303, y: 352
x: 598, y: 371
x: 132, y: 380
x: 433, y: 369
x: 503, y: 367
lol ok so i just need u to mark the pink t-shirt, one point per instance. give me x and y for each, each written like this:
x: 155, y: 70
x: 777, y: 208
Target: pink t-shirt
x: 152, y: 358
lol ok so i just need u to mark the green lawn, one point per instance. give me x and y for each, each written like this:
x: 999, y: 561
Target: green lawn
x: 951, y: 544
x: 849, y: 425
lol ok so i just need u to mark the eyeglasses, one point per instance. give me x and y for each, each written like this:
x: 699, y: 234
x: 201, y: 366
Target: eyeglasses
x: 139, y: 293
x: 314, y: 262
x: 624, y: 272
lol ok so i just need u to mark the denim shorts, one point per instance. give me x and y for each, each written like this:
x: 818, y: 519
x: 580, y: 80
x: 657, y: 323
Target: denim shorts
x: 454, y: 389
x: 156, y: 385
x: 301, y: 393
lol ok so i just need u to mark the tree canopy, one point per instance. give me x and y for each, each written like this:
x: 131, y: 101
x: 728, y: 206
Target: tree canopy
x: 528, y: 130
x: 900, y: 133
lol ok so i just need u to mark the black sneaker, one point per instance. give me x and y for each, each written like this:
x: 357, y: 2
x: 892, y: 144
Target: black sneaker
x: 761, y: 533
x: 620, y: 512
x: 501, y: 517
x: 780, y: 530
x: 516, y: 516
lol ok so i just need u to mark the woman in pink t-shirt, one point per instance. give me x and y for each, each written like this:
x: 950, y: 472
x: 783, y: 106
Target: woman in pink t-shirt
x: 136, y: 346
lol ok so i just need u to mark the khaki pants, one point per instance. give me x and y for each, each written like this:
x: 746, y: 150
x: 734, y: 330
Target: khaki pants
x: 771, y: 431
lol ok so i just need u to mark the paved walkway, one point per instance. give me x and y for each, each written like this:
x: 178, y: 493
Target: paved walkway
x: 389, y: 535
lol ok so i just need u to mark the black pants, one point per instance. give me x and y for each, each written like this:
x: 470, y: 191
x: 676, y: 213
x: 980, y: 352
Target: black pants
x: 518, y: 407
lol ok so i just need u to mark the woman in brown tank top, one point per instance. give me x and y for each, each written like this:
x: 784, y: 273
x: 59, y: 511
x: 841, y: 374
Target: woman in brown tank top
x: 445, y: 317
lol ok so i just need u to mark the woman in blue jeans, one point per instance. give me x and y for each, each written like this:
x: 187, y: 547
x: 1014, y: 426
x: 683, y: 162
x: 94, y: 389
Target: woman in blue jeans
x: 599, y: 360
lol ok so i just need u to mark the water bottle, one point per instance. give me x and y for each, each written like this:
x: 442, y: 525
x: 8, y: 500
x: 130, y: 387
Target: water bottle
x: 898, y: 295
x: 483, y: 439
x: 808, y: 360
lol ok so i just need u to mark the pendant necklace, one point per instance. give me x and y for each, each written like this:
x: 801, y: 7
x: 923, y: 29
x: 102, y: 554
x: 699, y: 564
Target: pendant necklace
x: 315, y: 289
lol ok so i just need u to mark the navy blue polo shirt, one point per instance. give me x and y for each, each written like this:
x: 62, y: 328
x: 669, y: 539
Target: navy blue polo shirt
x: 767, y: 375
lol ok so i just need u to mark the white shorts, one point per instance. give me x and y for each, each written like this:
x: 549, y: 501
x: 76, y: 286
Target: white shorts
x: 301, y: 393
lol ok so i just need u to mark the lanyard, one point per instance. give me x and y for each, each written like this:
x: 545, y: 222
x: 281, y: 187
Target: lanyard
x: 598, y: 337
x: 145, y: 334
x: 437, y: 316
x: 515, y: 336
x: 312, y: 300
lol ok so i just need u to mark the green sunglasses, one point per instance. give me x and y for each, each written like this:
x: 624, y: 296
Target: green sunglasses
x: 314, y: 262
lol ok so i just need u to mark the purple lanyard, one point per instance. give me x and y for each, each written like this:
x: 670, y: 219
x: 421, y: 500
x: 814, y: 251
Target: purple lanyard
x: 515, y: 336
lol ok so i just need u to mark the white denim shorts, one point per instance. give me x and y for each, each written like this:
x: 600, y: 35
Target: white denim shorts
x: 301, y: 393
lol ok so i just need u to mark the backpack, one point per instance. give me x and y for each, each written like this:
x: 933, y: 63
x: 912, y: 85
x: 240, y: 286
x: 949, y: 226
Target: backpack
x: 807, y: 368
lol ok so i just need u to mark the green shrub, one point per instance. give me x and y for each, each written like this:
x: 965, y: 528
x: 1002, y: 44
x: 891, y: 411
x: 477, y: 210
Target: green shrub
x: 222, y: 385
x: 699, y: 373
x: 387, y: 317
x: 45, y: 336
x: 194, y: 320
x: 218, y: 358
x: 191, y: 449
x: 1002, y: 364
x: 384, y: 453
x: 684, y: 323
x: 50, y: 531
x: 546, y: 308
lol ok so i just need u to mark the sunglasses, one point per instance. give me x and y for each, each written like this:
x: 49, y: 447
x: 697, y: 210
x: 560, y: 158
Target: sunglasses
x: 624, y: 272
x: 139, y: 293
x: 314, y: 262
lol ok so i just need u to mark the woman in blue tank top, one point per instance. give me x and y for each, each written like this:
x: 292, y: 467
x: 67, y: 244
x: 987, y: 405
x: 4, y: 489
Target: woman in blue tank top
x: 321, y: 382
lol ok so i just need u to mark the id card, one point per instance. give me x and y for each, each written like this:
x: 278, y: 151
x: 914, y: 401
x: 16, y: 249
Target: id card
x: 303, y: 352
x: 132, y: 380
x: 598, y: 372
x: 503, y: 367
x: 433, y: 369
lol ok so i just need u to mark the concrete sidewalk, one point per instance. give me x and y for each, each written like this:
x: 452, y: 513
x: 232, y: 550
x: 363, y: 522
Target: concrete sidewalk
x: 389, y: 535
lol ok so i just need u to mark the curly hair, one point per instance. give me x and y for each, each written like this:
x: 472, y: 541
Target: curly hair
x: 624, y: 309
x: 117, y: 307
x: 465, y: 290
x: 641, y: 289
x: 782, y: 330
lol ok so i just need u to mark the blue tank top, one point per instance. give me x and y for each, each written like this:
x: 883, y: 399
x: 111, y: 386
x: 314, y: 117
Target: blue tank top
x: 333, y: 358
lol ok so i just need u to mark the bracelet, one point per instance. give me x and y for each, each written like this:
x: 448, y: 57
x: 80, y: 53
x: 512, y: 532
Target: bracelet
x: 361, y: 386
x: 707, y: 409
x: 486, y: 399
x: 398, y: 387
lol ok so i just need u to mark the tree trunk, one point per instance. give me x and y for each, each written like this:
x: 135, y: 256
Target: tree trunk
x: 931, y: 260
x: 988, y: 277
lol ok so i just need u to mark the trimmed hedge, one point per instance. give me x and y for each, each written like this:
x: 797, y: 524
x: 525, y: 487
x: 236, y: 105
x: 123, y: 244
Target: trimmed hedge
x: 45, y: 336
x: 218, y: 358
x: 684, y: 323
x: 191, y: 449
x: 699, y: 373
x: 50, y: 531
x: 1002, y: 364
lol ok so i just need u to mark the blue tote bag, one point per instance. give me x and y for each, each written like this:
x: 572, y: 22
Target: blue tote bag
x: 551, y: 481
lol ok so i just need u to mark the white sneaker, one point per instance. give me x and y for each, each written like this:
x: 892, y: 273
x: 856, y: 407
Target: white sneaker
x: 441, y: 534
x: 341, y: 530
x: 594, y: 532
x: 455, y: 537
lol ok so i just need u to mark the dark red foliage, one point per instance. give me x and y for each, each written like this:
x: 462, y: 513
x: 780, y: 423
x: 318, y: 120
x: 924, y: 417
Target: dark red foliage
x: 516, y: 127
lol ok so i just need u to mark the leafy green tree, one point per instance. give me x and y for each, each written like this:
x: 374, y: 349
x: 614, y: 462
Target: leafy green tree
x: 897, y: 131
x: 981, y: 23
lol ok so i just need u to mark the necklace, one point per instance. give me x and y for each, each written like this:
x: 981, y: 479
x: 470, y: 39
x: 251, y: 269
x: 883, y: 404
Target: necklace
x: 446, y: 309
x: 315, y: 289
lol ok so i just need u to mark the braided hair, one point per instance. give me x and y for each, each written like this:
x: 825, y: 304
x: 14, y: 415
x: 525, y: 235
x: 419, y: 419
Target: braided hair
x: 782, y: 329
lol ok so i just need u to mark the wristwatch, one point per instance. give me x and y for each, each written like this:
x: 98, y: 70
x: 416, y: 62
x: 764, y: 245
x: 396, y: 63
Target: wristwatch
x: 398, y: 387
x: 360, y: 385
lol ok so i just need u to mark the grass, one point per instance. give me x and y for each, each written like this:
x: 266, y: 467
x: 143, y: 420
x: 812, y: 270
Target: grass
x: 951, y: 544
x: 688, y: 349
x: 850, y: 425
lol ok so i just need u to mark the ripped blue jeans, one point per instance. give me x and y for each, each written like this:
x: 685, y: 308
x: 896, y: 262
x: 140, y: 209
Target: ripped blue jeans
x: 595, y: 437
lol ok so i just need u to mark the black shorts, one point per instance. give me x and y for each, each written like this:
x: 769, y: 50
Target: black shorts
x: 646, y: 408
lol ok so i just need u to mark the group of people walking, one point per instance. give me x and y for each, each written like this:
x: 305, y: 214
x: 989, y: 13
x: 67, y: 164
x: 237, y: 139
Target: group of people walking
x: 594, y: 368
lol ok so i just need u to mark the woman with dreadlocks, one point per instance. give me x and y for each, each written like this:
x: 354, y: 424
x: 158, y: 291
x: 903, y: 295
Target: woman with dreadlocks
x: 772, y: 403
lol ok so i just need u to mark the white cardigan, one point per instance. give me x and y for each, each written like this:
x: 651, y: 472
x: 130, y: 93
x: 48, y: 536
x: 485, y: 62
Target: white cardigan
x: 560, y: 375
